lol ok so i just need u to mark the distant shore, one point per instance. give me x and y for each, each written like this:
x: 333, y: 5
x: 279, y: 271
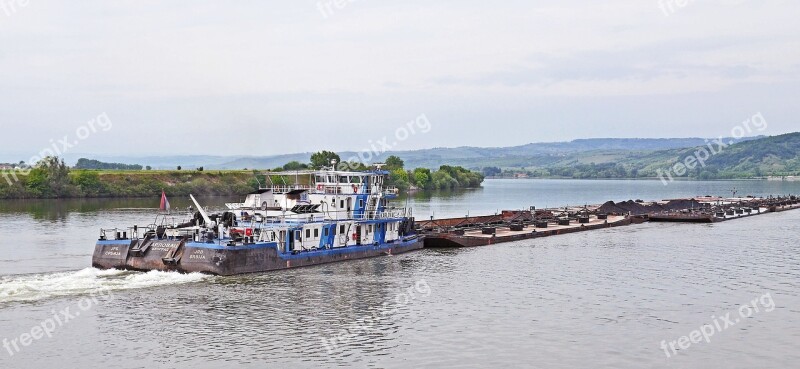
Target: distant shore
x: 84, y: 184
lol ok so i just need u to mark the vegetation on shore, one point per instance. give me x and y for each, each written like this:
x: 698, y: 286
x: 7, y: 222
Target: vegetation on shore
x: 446, y: 178
x: 84, y: 163
x: 52, y: 178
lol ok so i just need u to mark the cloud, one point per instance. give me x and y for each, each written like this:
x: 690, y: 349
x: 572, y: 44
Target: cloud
x: 255, y: 77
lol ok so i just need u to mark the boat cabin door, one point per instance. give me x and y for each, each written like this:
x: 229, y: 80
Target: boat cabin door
x: 358, y: 235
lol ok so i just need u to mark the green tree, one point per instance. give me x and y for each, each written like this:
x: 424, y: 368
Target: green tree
x: 36, y: 183
x: 399, y: 179
x: 49, y: 178
x: 492, y: 171
x: 323, y: 159
x: 394, y: 162
x: 87, y: 182
x: 84, y: 163
x: 295, y: 165
x: 422, y: 177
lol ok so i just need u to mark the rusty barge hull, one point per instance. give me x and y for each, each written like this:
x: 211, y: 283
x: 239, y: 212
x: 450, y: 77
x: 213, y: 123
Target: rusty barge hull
x: 504, y: 234
x: 195, y: 257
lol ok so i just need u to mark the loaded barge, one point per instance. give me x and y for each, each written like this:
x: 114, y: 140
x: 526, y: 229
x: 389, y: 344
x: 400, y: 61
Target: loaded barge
x: 519, y: 225
x: 516, y: 225
x: 324, y: 216
x: 713, y: 210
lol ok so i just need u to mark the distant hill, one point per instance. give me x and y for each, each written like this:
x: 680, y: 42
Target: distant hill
x: 530, y: 155
x: 765, y: 156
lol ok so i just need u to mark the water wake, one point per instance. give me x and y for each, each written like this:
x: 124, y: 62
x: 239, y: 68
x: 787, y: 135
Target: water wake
x: 35, y: 287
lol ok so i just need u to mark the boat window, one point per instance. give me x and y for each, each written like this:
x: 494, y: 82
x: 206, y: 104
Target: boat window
x: 341, y: 228
x: 361, y: 203
x: 341, y: 204
x: 308, y: 233
x: 316, y: 232
x: 355, y: 179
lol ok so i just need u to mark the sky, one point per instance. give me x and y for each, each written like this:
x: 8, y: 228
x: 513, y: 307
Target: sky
x: 283, y: 76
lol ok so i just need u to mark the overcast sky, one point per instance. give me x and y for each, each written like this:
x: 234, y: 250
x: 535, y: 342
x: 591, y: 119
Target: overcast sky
x: 271, y: 77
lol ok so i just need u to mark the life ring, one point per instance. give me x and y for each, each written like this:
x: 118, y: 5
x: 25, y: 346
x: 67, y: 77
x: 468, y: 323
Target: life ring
x: 319, y: 187
x: 354, y: 236
x: 355, y: 189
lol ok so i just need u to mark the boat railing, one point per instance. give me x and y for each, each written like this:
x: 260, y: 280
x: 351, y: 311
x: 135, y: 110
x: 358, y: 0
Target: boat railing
x: 334, y: 216
x: 290, y: 188
x: 128, y: 233
x: 335, y: 189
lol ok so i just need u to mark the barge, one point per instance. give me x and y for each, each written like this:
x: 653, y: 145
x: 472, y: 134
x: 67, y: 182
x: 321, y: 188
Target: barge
x: 520, y: 225
x: 490, y: 235
x: 322, y: 217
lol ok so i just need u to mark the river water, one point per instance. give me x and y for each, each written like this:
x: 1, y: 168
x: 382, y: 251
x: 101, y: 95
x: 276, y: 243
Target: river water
x: 602, y: 299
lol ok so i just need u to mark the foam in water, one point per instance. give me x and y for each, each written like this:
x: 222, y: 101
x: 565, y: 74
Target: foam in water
x: 36, y: 287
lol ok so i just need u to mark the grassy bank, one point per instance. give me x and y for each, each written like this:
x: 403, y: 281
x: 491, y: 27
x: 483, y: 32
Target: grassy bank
x: 52, y: 178
x: 111, y: 184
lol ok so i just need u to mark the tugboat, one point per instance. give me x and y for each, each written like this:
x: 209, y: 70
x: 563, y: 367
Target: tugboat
x: 322, y: 216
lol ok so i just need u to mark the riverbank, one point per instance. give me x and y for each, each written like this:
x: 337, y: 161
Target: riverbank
x: 129, y: 184
x: 84, y: 184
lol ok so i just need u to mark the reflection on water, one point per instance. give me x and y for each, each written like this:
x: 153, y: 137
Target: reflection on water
x: 605, y: 298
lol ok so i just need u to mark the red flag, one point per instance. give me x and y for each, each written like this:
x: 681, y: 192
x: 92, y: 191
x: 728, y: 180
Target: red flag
x: 164, y: 202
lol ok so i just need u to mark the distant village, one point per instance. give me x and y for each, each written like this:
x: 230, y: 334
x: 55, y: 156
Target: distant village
x: 7, y: 166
